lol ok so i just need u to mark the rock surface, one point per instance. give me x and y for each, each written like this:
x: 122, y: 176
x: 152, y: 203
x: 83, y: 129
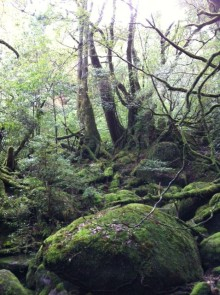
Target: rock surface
x: 124, y: 249
x: 210, y: 251
x: 10, y: 285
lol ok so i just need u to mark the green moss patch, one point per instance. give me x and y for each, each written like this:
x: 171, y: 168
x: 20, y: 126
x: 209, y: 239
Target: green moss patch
x: 210, y: 251
x: 116, y: 248
x: 201, y: 288
x: 10, y: 285
x: 121, y: 195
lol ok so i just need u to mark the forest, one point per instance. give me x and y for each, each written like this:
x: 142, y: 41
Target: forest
x: 109, y: 147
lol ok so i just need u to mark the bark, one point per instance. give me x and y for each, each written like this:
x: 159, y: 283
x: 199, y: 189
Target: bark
x: 84, y: 106
x: 132, y: 74
x: 115, y: 128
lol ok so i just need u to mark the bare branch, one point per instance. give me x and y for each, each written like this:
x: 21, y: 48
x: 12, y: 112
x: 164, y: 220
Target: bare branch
x: 210, y: 14
x: 200, y: 26
x: 9, y: 47
x: 188, y: 53
x: 169, y: 87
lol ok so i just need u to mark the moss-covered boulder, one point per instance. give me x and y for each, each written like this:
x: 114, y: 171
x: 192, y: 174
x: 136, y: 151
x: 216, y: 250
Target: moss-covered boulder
x: 126, y: 250
x: 157, y: 171
x: 201, y: 288
x: 10, y: 285
x: 18, y: 265
x: 210, y: 251
x: 210, y: 214
x: 166, y: 152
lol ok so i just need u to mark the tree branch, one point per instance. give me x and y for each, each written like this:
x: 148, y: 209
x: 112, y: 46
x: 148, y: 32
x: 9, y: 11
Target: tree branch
x: 9, y: 47
x: 210, y: 22
x: 188, y: 53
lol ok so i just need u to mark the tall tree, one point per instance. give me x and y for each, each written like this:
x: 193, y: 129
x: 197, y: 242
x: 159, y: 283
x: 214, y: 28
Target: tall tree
x: 105, y: 88
x: 85, y: 110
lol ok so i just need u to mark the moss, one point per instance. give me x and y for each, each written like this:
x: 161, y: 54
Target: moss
x: 132, y: 182
x: 108, y: 172
x: 60, y: 287
x: 205, y: 192
x: 10, y: 285
x: 109, y: 249
x: 123, y: 159
x: 115, y: 183
x: 210, y: 251
x: 2, y: 190
x: 149, y: 189
x: 91, y: 173
x: 10, y: 251
x: 16, y: 264
x: 201, y: 288
x: 170, y: 209
x: 166, y: 152
x: 46, y: 290
x: 15, y: 208
x: 121, y: 195
x: 215, y: 200
x: 206, y: 211
x: 196, y: 185
x: 125, y: 155
x: 30, y: 279
x: 216, y: 271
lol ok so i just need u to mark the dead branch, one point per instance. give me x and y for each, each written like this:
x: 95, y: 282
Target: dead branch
x: 9, y: 47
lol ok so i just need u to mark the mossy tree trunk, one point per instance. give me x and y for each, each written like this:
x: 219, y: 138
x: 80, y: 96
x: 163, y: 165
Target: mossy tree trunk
x: 84, y: 106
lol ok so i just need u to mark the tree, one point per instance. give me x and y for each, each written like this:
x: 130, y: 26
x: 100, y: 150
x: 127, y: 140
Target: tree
x: 85, y: 110
x: 105, y: 88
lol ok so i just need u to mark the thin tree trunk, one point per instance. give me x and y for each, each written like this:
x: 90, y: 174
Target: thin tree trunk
x: 133, y: 80
x: 84, y: 106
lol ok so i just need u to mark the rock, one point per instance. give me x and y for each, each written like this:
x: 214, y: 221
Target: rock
x: 210, y: 213
x: 166, y: 152
x: 115, y: 183
x: 200, y: 204
x: 216, y: 271
x: 122, y: 251
x: 121, y: 195
x: 16, y: 264
x: 210, y: 251
x: 201, y: 288
x: 46, y: 282
x: 157, y: 171
x: 10, y: 285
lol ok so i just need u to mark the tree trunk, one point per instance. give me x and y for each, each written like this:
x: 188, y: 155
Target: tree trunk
x: 133, y: 80
x: 84, y: 106
x: 115, y: 128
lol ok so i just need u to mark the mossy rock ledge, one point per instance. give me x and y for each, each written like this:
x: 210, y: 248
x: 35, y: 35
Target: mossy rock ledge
x: 123, y: 251
x: 10, y: 285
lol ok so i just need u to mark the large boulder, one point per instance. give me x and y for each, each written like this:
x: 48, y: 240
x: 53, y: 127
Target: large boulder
x: 10, y: 285
x: 127, y: 250
x: 166, y: 152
